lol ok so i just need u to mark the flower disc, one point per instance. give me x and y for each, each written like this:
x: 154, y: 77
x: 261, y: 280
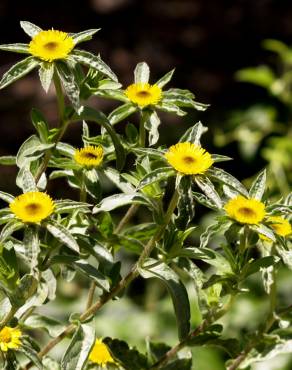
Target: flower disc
x: 245, y: 211
x: 32, y: 207
x: 51, y: 45
x: 9, y: 338
x: 90, y: 156
x: 188, y: 158
x: 100, y: 354
x: 144, y: 94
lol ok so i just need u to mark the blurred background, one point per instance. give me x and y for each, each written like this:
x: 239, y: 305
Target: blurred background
x: 218, y: 50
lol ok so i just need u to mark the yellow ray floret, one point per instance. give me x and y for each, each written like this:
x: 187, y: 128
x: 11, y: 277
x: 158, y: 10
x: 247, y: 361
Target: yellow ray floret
x: 280, y: 225
x: 33, y: 206
x: 100, y: 354
x: 51, y: 45
x: 245, y: 211
x: 144, y: 94
x: 9, y: 338
x: 90, y: 156
x: 188, y: 158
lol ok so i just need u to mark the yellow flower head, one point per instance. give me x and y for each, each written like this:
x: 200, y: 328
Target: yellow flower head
x: 33, y: 206
x: 90, y: 156
x: 51, y: 45
x: 188, y: 158
x: 245, y: 211
x: 9, y: 338
x: 100, y: 354
x: 144, y: 94
x: 280, y: 225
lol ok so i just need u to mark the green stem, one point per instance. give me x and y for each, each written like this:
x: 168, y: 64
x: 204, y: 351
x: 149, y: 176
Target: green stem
x: 83, y: 194
x: 8, y: 317
x: 130, y: 213
x: 142, y: 131
x: 60, y: 97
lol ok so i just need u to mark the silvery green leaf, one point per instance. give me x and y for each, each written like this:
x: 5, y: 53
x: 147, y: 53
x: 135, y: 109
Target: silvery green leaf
x: 286, y: 256
x: 8, y: 160
x: 151, y: 123
x: 27, y: 148
x: 91, y: 272
x: 29, y: 28
x: 229, y: 192
x: 50, y: 364
x: 46, y: 72
x: 6, y: 197
x: 220, y: 158
x: 60, y: 173
x: 194, y: 133
x: 210, y: 231
x: 19, y: 70
x: 68, y: 205
x: 122, y: 112
x: 31, y: 244
x: 69, y: 84
x: 227, y: 179
x: 25, y: 180
x: 185, y: 204
x: 52, y: 326
x: 40, y: 124
x: 202, y: 199
x: 65, y: 149
x: 16, y: 48
x: 93, y: 61
x: 170, y: 108
x: 165, y: 79
x: 118, y: 200
x: 152, y: 269
x: 208, y: 188
x: 121, y: 183
x: 155, y: 153
x: 83, y: 35
x: 258, y: 187
x: 79, y: 348
x: 264, y: 230
x: 141, y: 73
x: 30, y: 353
x: 111, y: 94
x: 158, y: 174
x: 62, y: 234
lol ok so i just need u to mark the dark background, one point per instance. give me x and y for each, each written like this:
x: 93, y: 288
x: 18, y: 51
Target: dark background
x: 206, y: 41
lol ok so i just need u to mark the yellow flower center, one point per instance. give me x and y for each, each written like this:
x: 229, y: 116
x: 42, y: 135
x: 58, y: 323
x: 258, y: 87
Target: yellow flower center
x: 51, y: 45
x: 9, y: 338
x: 188, y: 158
x: 143, y: 94
x: 5, y: 335
x: 100, y: 354
x: 32, y: 207
x: 245, y: 211
x: 90, y: 156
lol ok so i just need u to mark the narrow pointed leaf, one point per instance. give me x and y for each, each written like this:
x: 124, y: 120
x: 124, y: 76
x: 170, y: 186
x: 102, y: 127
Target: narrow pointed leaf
x: 69, y: 84
x: 186, y: 205
x: 46, y: 73
x: 227, y: 179
x: 121, y: 113
x: 118, y: 200
x: 165, y: 79
x: 10, y: 228
x: 62, y: 234
x: 193, y: 134
x: 83, y: 35
x: 6, y: 197
x: 142, y: 73
x: 29, y: 28
x: 151, y: 123
x: 15, y: 48
x: 19, y: 70
x: 208, y: 188
x: 258, y: 187
x: 8, y: 160
x: 31, y: 246
x: 158, y: 174
x: 31, y: 353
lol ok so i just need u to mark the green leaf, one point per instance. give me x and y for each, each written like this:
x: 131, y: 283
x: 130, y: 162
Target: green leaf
x: 46, y: 72
x: 52, y: 326
x: 50, y: 364
x: 181, y: 364
x: 40, y: 124
x: 120, y: 183
x: 151, y: 123
x: 6, y: 197
x: 31, y: 246
x: 193, y: 134
x: 29, y: 28
x: 158, y: 174
x: 177, y: 290
x: 91, y: 272
x: 83, y: 35
x: 16, y: 48
x: 130, y: 359
x: 170, y: 108
x: 93, y: 61
x: 118, y: 200
x: 19, y: 70
x: 122, y: 112
x: 227, y: 179
x: 202, y: 199
x: 89, y: 114
x: 220, y: 158
x: 8, y: 160
x: 262, y: 76
x: 210, y: 231
x: 31, y: 353
x: 62, y: 234
x: 69, y: 84
x: 266, y: 231
x: 10, y: 228
x: 79, y: 348
x: 65, y: 149
x: 25, y: 180
x: 165, y: 79
x: 258, y: 187
x: 255, y: 266
x: 68, y: 206
x: 141, y: 73
x: 208, y: 188
x: 25, y: 289
x: 185, y: 205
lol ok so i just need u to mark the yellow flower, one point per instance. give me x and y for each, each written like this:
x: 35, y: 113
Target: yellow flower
x: 188, y: 158
x: 9, y: 338
x: 90, y: 156
x: 51, y: 45
x: 280, y: 225
x: 33, y: 206
x: 144, y: 94
x: 100, y: 354
x: 245, y: 211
